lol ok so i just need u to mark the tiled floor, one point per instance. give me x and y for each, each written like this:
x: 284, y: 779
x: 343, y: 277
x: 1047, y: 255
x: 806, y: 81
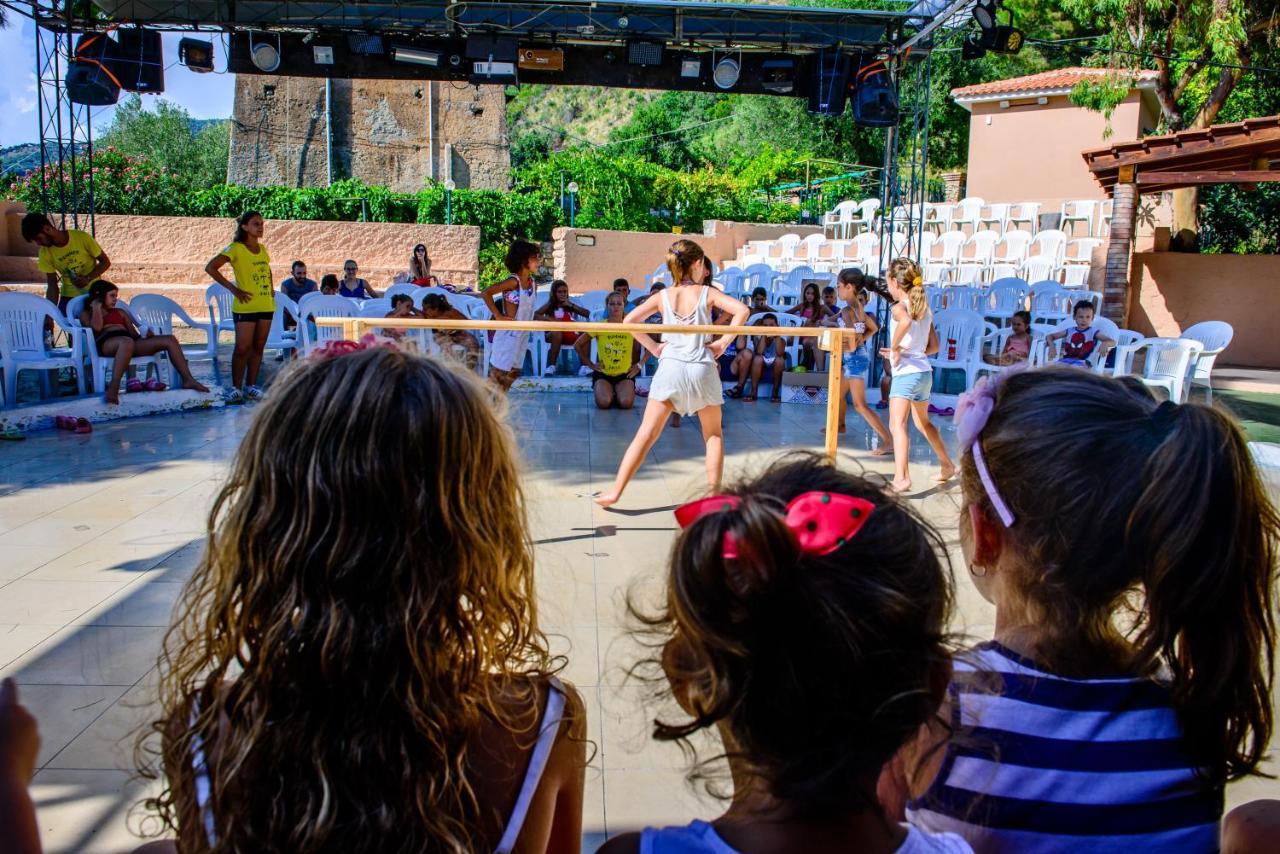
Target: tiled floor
x: 98, y: 533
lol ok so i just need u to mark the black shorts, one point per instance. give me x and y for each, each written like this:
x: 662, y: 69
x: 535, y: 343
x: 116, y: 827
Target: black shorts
x: 104, y: 337
x: 252, y: 316
x: 611, y: 380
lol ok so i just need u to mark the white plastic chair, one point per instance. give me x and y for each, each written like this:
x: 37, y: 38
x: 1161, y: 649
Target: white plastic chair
x: 960, y: 336
x: 1078, y: 210
x: 397, y: 289
x: 998, y: 270
x: 1051, y: 243
x: 1012, y: 248
x: 938, y: 216
x: 416, y: 293
x: 1005, y: 298
x: 996, y: 216
x: 937, y: 298
x: 1075, y: 275
x: 279, y: 338
x: 783, y: 248
x: 786, y: 292
x: 966, y: 212
x: 1025, y: 212
x: 968, y: 273
x: 158, y: 312
x: 221, y: 306
x: 1104, y: 217
x: 1215, y: 336
x: 1167, y: 365
x: 758, y: 276
x: 22, y: 320
x: 377, y: 307
x: 322, y: 305
x: 980, y: 247
x: 1080, y: 250
x: 1039, y: 268
x: 98, y: 363
x: 836, y: 221
x: 868, y: 214
x: 963, y: 297
x: 1050, y: 302
x: 1124, y: 339
x: 793, y: 345
x: 952, y: 244
x: 936, y: 272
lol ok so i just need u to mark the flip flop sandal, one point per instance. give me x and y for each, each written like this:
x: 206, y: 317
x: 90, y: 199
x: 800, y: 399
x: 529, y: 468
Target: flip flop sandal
x: 733, y: 393
x: 642, y: 392
x: 155, y: 385
x: 64, y: 422
x: 775, y: 398
x: 83, y: 426
x: 944, y: 411
x: 133, y: 386
x: 882, y: 404
x: 11, y: 435
x: 748, y: 398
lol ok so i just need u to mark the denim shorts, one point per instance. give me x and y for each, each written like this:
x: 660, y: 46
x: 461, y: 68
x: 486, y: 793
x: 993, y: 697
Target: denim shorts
x: 855, y: 365
x: 914, y: 387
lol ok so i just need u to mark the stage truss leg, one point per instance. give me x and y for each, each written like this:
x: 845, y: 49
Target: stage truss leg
x: 66, y: 129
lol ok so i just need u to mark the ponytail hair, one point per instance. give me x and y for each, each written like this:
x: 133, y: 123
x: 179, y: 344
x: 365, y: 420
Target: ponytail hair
x: 820, y: 666
x: 1160, y: 499
x: 853, y: 276
x: 681, y: 257
x: 241, y: 222
x: 907, y: 274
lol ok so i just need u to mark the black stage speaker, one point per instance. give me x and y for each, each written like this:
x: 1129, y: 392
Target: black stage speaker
x: 830, y: 82
x: 875, y: 100
x: 91, y: 79
x: 141, y: 63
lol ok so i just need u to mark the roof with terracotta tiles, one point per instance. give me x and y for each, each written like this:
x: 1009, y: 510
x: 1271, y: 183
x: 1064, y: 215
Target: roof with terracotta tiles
x: 1063, y: 79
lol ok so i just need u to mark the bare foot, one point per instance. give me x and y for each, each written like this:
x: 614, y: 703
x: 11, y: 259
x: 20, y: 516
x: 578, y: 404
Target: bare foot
x: 113, y: 397
x: 196, y: 385
x: 675, y: 423
x: 607, y: 500
x: 882, y: 451
x: 901, y: 485
x: 945, y: 475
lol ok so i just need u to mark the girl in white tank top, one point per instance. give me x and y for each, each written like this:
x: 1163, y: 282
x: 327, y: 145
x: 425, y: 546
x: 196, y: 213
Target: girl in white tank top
x: 688, y: 379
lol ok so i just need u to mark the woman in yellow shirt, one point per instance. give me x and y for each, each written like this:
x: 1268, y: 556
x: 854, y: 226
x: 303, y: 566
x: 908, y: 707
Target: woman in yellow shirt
x: 255, y: 304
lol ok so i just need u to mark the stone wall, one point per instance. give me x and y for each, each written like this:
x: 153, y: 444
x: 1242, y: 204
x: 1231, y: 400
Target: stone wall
x: 394, y: 133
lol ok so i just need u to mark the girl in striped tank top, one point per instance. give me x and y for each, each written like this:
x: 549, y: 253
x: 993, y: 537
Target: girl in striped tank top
x: 1130, y: 675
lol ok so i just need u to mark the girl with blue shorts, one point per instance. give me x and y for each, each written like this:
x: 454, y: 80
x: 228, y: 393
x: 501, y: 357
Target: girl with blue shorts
x: 912, y: 339
x: 855, y: 362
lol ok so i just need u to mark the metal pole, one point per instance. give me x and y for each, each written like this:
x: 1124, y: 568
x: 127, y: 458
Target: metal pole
x: 328, y: 131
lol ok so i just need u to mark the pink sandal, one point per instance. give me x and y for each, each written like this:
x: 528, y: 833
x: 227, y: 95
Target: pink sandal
x: 64, y: 422
x: 155, y: 385
x: 133, y: 385
x: 83, y: 426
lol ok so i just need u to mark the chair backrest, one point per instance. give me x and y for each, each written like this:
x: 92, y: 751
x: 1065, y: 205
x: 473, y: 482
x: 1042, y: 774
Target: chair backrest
x: 1170, y: 358
x: 1039, y: 267
x: 323, y: 305
x: 998, y: 210
x: 868, y: 208
x: 1026, y: 211
x: 276, y: 336
x: 22, y: 319
x: 786, y: 245
x: 782, y: 317
x: 375, y: 307
x: 1215, y: 335
x: 1081, y: 248
x: 927, y: 239
x: 1015, y: 243
x: 963, y: 297
x: 401, y: 288
x: 1050, y: 242
x: 811, y: 246
x: 968, y: 208
x: 1079, y: 207
x: 981, y: 245
x: 962, y: 328
x: 1006, y: 295
x: 952, y: 243
x: 221, y: 305
x: 158, y: 311
x: 865, y: 244
x: 416, y: 293
x: 937, y: 298
x: 1050, y: 299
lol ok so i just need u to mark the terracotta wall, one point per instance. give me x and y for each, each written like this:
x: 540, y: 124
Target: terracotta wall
x: 589, y: 260
x: 175, y: 250
x: 1172, y: 291
x: 1031, y: 152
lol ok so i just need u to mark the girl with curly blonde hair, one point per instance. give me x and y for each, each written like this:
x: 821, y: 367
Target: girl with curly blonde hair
x: 358, y: 665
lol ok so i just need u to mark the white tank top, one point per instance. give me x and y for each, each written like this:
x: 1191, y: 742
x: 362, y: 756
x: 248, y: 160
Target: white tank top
x: 685, y: 348
x: 911, y: 357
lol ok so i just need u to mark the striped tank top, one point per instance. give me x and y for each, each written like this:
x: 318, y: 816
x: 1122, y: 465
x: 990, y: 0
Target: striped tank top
x: 1042, y: 763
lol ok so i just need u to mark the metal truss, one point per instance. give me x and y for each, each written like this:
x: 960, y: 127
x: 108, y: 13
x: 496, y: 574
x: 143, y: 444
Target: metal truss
x: 66, y: 129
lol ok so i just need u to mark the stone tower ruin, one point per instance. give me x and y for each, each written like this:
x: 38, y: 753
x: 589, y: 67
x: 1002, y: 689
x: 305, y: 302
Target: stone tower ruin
x: 306, y: 132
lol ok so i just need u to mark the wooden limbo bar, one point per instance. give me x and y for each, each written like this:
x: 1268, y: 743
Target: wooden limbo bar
x: 830, y: 339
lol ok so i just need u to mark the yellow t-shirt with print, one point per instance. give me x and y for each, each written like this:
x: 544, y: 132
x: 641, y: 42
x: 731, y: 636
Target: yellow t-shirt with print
x: 614, y: 351
x: 77, y: 258
x: 252, y: 274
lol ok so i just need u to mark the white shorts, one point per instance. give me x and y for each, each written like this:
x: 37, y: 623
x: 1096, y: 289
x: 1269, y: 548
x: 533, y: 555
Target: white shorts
x: 687, y: 386
x: 506, y: 353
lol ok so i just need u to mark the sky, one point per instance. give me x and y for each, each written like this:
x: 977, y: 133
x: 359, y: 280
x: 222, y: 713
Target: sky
x: 205, y: 96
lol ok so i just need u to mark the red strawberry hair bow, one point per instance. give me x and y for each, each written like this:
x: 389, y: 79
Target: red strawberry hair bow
x: 821, y: 521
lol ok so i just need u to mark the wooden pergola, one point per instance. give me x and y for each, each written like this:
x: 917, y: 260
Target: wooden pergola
x: 1246, y: 152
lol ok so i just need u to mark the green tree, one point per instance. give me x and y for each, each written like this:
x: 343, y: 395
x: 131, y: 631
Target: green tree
x: 1199, y: 48
x: 168, y: 137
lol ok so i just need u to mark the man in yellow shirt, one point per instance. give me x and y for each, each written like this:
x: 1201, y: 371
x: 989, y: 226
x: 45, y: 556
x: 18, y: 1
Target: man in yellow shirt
x: 71, y: 260
x: 613, y: 375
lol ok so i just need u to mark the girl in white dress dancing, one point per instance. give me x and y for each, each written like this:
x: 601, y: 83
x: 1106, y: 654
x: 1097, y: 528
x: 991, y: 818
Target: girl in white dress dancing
x: 688, y: 379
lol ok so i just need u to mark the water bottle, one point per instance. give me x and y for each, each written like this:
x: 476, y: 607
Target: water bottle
x: 951, y: 349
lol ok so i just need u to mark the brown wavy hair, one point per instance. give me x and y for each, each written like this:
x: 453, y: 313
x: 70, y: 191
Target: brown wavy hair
x: 1154, y: 512
x: 907, y: 274
x: 681, y: 257
x: 817, y: 668
x: 365, y: 598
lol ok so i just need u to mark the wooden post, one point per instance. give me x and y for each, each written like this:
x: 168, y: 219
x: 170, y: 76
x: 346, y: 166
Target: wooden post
x: 1124, y: 217
x: 349, y: 330
x: 833, y: 343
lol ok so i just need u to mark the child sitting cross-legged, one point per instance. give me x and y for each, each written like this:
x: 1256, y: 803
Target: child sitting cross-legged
x: 1130, y: 678
x: 401, y: 307
x: 805, y: 620
x: 335, y: 685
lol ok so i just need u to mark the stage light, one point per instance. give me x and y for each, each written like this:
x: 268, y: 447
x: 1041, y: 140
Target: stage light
x: 644, y: 53
x: 984, y: 12
x: 266, y: 57
x: 726, y: 73
x: 691, y: 67
x: 413, y: 55
x: 196, y: 55
x: 322, y: 55
x: 778, y: 76
x: 365, y: 44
